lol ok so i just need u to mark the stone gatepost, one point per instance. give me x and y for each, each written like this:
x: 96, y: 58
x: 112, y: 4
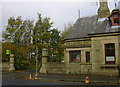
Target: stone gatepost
x: 67, y: 62
x: 43, y: 68
x: 11, y: 68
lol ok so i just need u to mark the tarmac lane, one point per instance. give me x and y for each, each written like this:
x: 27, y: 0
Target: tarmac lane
x: 22, y: 78
x: 34, y: 82
x: 39, y: 83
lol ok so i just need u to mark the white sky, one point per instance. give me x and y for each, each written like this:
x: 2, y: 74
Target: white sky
x: 60, y: 11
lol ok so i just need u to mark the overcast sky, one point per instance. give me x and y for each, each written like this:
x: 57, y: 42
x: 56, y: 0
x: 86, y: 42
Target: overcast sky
x: 60, y: 11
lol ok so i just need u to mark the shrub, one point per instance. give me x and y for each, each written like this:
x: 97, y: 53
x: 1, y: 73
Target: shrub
x: 21, y: 64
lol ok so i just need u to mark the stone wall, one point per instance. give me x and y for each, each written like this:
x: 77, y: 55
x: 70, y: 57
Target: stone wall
x: 81, y: 43
x: 98, y: 55
x: 78, y: 68
x: 96, y: 47
x: 5, y: 66
x: 54, y: 67
x: 74, y: 68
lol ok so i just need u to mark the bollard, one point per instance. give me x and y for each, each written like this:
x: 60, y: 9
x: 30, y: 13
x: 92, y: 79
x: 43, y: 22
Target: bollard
x: 30, y: 76
x: 87, y: 80
x: 36, y: 76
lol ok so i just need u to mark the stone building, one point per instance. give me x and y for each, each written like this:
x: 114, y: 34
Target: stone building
x: 93, y: 46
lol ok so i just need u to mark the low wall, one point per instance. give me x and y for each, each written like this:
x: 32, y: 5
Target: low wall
x: 54, y: 67
x: 78, y: 68
x: 74, y: 68
x: 5, y: 66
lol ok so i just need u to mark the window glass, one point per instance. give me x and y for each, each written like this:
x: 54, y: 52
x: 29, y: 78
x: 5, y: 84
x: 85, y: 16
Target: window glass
x: 75, y: 56
x: 87, y: 56
x: 110, y: 53
x: 116, y: 15
x: 116, y: 20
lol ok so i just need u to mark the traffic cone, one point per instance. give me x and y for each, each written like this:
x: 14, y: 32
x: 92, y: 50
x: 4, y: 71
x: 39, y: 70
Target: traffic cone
x: 36, y: 76
x: 30, y: 76
x: 87, y: 80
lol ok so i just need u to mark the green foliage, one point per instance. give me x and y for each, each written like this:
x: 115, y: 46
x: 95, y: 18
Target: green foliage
x: 22, y: 38
x: 46, y: 36
x: 55, y: 47
x: 13, y: 25
x: 41, y: 32
x: 7, y: 46
x: 21, y: 52
x: 20, y: 55
x: 21, y: 64
x: 18, y: 31
x: 67, y: 29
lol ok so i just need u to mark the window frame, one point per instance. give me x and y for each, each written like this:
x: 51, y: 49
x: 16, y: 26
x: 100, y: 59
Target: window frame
x: 87, y: 57
x: 114, y: 21
x: 108, y: 55
x: 113, y: 17
x: 71, y: 60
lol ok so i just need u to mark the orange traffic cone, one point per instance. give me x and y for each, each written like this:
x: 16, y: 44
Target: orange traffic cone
x: 87, y: 80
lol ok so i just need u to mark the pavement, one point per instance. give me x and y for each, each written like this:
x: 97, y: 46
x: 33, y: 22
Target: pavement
x: 96, y: 79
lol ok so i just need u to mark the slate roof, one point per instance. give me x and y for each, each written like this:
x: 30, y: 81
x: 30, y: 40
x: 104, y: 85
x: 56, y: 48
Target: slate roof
x: 90, y: 25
